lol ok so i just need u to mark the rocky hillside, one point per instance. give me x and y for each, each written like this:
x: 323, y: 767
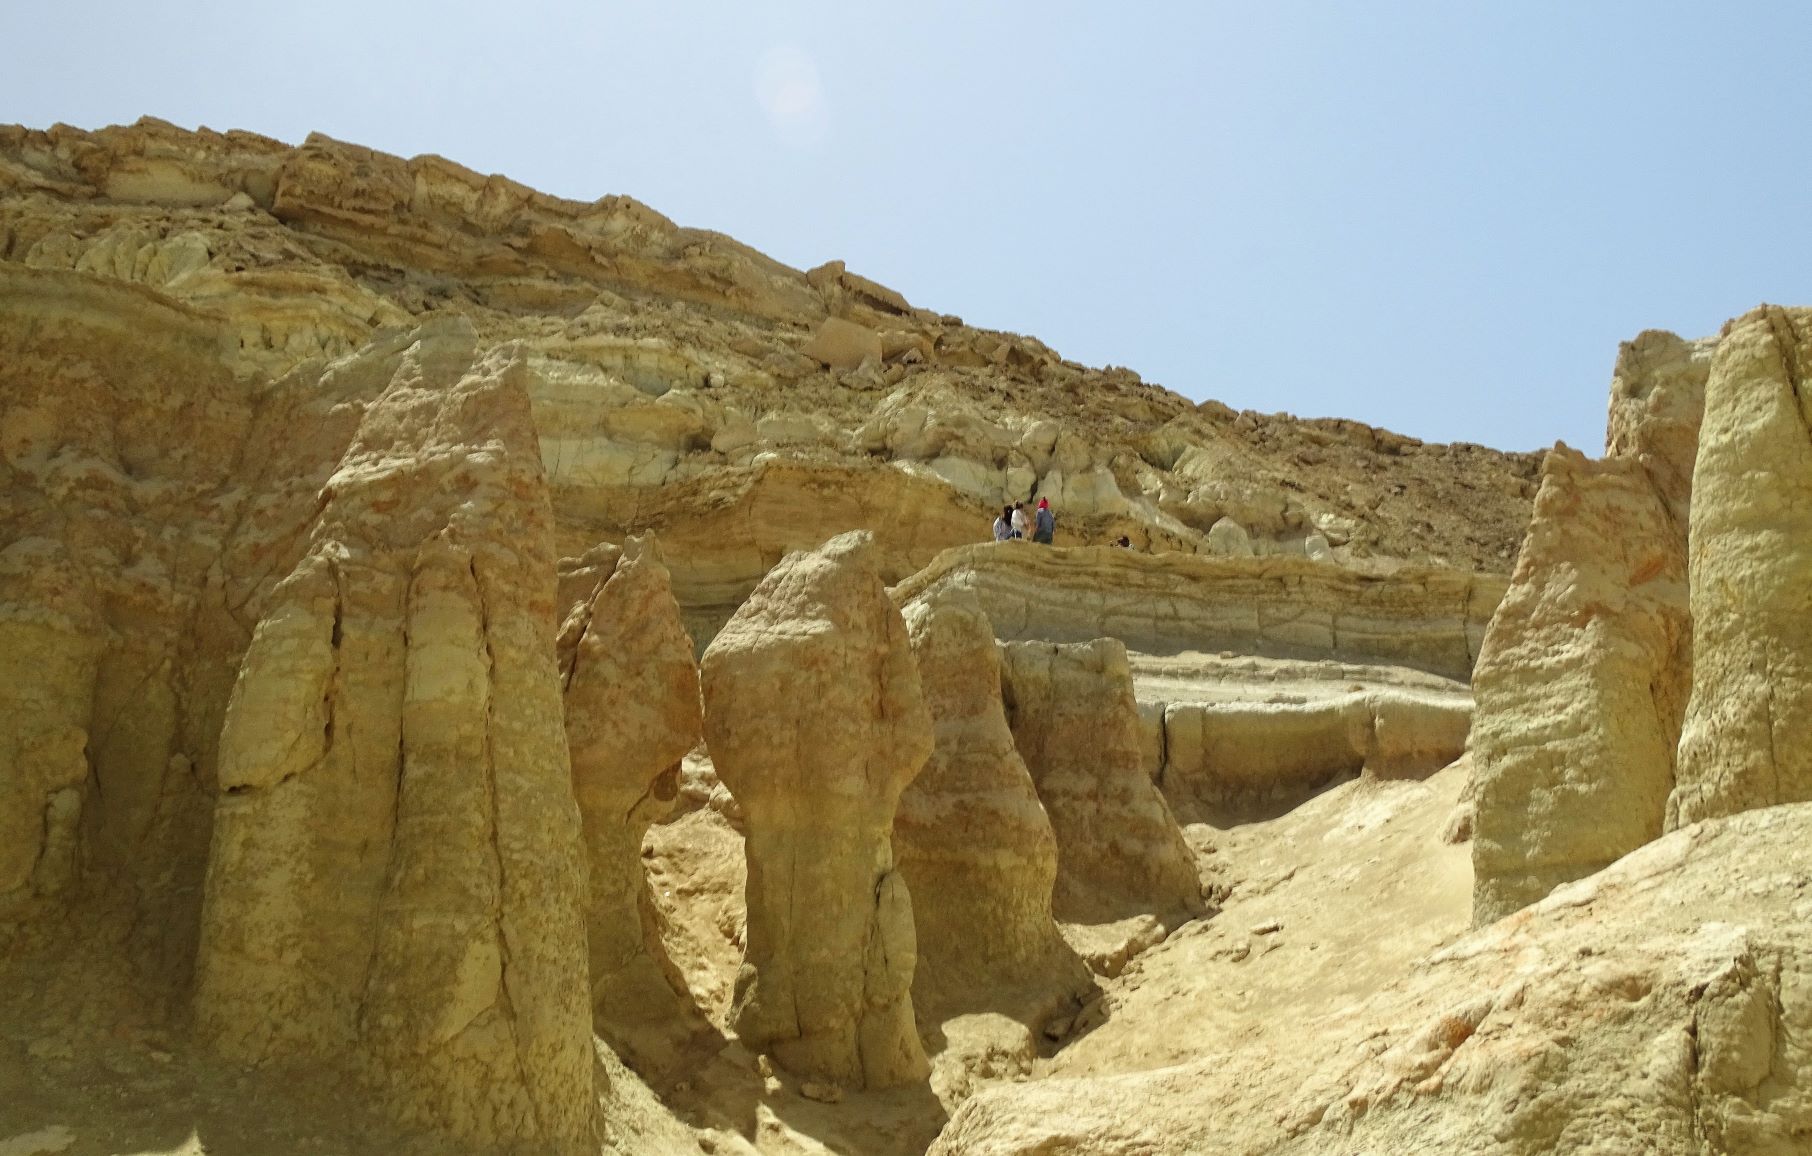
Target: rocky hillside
x: 685, y: 383
x: 481, y: 672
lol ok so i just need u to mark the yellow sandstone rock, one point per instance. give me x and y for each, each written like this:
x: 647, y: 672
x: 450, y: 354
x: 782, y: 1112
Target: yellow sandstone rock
x: 396, y: 887
x: 816, y: 721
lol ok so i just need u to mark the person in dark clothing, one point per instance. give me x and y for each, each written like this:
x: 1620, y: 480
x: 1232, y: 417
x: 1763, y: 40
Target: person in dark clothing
x: 1044, y: 524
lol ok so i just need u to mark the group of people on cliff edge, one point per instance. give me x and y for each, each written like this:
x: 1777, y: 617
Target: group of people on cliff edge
x: 1015, y: 522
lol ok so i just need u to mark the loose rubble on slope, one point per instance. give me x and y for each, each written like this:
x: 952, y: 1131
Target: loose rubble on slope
x: 491, y: 672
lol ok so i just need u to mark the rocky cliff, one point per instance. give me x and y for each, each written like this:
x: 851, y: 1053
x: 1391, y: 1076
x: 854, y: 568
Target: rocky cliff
x: 362, y: 787
x: 685, y: 383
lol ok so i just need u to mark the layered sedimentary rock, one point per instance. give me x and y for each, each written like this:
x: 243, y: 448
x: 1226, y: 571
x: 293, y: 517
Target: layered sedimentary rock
x: 395, y: 885
x: 678, y: 375
x: 816, y: 722
x: 1232, y: 761
x: 972, y: 839
x: 152, y: 500
x: 1581, y: 686
x: 1427, y: 618
x: 632, y: 713
x: 1613, y: 1016
x: 1583, y: 680
x: 1747, y: 740
x: 1075, y: 721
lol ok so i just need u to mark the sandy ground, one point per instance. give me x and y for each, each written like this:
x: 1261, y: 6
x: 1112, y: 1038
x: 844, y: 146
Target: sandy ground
x: 1326, y: 904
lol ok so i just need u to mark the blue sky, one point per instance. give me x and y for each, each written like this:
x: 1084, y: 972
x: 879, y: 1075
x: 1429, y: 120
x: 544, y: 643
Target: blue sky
x: 1436, y: 217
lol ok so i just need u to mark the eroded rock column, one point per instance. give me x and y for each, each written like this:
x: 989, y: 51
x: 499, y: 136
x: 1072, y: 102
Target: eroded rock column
x: 1582, y: 681
x: 816, y: 722
x: 1075, y: 721
x: 972, y: 838
x: 395, y: 886
x: 632, y: 713
x: 1747, y: 742
x: 1580, y: 686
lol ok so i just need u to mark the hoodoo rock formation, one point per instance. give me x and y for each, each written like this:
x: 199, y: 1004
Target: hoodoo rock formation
x: 973, y: 840
x: 1583, y: 680
x: 632, y: 713
x: 1120, y: 853
x: 1748, y: 735
x: 1581, y: 686
x: 395, y: 883
x: 817, y: 723
x: 337, y: 815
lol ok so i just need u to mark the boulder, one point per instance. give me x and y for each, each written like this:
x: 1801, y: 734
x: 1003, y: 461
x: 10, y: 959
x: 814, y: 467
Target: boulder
x: 395, y: 887
x: 844, y: 345
x: 1747, y: 740
x: 972, y: 839
x: 632, y: 713
x: 1120, y: 852
x: 816, y: 723
x: 1229, y: 539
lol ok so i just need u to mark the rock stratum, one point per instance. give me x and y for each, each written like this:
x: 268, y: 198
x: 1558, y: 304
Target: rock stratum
x: 487, y: 672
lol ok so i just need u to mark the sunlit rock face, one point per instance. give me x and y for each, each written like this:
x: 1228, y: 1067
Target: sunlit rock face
x: 1748, y: 736
x: 817, y: 723
x: 395, y: 883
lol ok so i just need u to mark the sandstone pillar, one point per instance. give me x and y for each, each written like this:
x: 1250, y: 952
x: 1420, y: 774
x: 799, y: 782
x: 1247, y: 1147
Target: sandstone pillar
x: 395, y: 885
x: 1747, y: 742
x: 1075, y: 721
x: 1580, y: 686
x: 816, y: 722
x: 632, y: 713
x: 972, y: 839
x: 1582, y: 680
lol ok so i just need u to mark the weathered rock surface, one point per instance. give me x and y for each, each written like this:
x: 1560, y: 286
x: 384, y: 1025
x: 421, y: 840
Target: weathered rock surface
x: 289, y: 438
x: 632, y: 713
x: 1747, y: 740
x: 395, y: 884
x: 1581, y: 685
x: 51, y: 635
x: 816, y: 722
x: 1658, y: 1006
x: 1429, y: 619
x: 1075, y: 721
x: 973, y: 841
x: 1227, y: 762
x: 151, y: 502
x: 1657, y: 403
x: 671, y: 369
x: 1583, y: 679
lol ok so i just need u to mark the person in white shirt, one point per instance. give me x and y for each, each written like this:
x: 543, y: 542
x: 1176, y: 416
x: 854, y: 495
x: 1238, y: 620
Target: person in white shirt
x: 1003, y: 525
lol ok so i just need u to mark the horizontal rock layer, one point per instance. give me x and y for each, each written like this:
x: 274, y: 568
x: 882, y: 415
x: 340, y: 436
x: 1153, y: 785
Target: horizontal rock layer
x: 1429, y: 619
